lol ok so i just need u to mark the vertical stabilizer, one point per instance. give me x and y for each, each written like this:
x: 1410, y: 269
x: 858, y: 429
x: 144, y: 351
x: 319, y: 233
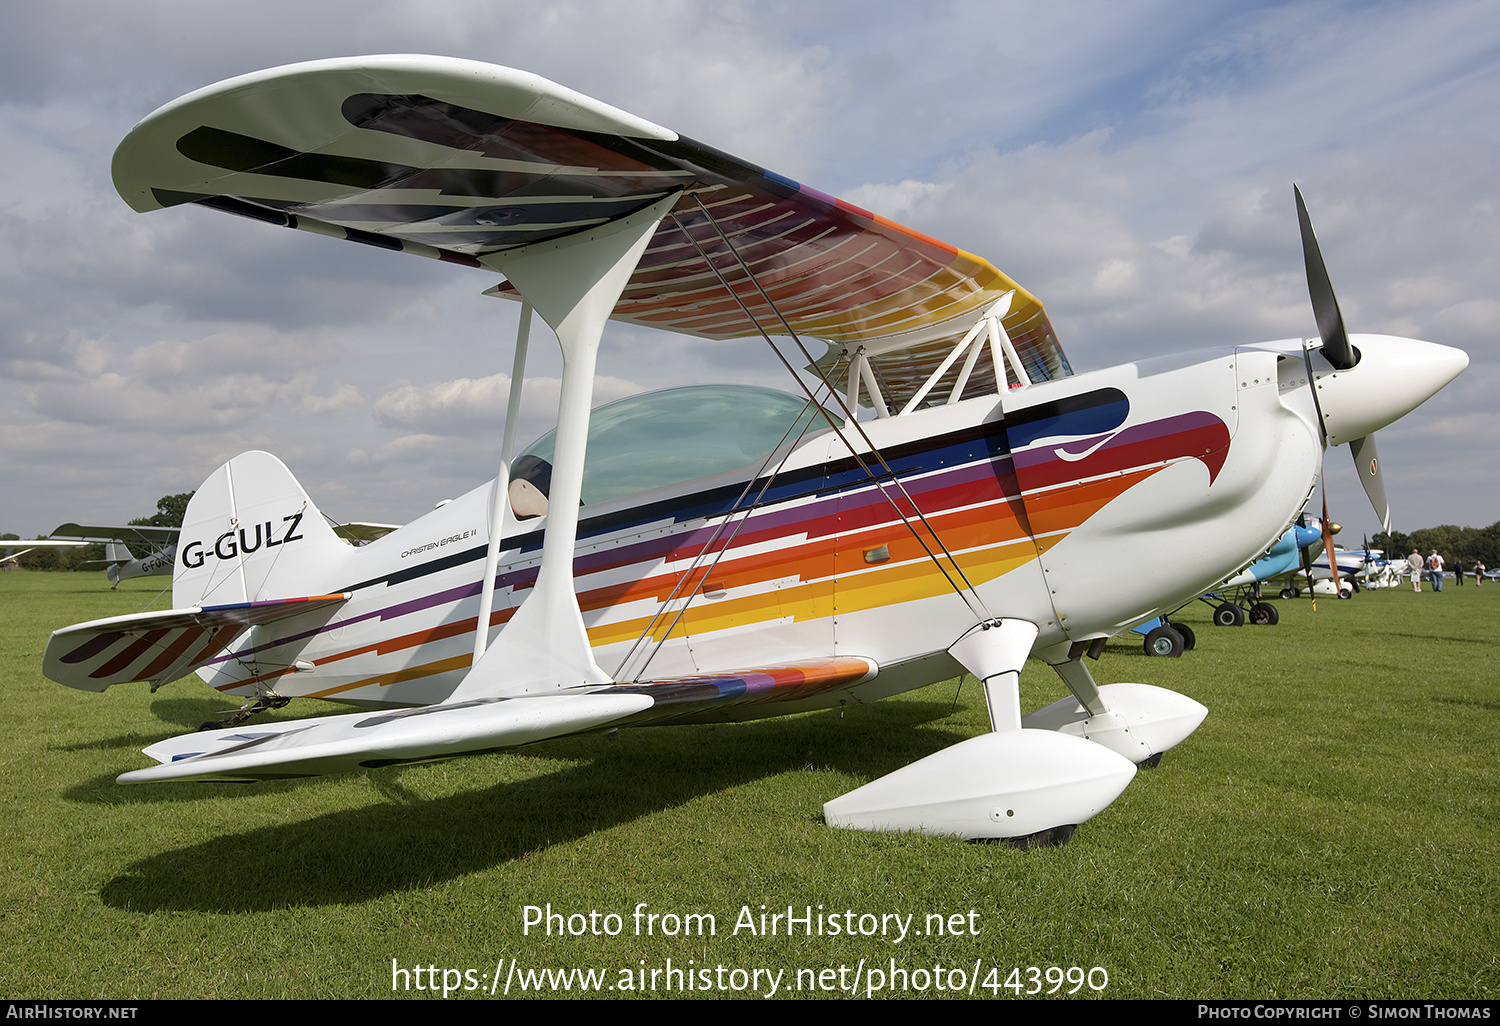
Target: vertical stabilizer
x: 251, y: 533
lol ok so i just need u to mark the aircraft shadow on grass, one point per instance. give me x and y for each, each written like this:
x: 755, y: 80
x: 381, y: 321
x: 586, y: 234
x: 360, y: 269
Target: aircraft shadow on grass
x: 408, y: 841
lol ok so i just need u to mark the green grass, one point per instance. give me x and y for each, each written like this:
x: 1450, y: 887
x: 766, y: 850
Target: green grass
x: 1330, y: 830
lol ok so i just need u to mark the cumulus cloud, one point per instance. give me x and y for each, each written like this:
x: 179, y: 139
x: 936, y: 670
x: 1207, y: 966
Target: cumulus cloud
x: 464, y: 405
x: 1130, y: 167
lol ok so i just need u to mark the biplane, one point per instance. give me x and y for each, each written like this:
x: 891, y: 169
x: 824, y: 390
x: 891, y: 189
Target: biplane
x: 950, y: 496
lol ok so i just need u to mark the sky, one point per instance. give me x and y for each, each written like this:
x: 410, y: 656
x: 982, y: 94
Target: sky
x: 1130, y: 163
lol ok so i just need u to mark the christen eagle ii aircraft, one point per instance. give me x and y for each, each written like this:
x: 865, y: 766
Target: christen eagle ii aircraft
x: 762, y: 554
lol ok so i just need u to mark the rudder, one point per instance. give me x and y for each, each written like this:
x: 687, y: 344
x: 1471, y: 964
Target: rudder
x: 251, y: 533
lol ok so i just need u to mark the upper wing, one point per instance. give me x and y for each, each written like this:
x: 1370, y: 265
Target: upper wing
x: 333, y: 744
x: 459, y: 161
x: 153, y: 536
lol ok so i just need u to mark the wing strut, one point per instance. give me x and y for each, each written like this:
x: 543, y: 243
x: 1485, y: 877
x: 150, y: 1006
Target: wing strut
x: 502, y: 484
x: 574, y: 283
x: 976, y: 604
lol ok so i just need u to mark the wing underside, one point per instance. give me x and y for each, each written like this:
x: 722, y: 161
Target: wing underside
x: 462, y: 161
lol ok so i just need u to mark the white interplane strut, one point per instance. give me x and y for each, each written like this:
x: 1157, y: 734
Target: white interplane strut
x: 499, y: 497
x: 574, y: 283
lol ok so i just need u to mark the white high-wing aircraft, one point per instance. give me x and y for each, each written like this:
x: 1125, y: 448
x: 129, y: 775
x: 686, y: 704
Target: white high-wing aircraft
x: 721, y: 553
x: 120, y: 563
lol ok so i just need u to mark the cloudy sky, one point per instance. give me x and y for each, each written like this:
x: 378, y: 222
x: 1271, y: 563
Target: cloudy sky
x: 1130, y: 163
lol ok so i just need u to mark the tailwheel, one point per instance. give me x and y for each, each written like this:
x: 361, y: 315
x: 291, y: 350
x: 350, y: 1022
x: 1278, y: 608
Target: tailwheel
x: 264, y: 703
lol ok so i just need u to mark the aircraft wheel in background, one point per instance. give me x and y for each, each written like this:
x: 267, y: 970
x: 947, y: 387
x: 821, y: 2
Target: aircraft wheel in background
x: 1265, y: 614
x: 1229, y: 615
x: 1164, y: 641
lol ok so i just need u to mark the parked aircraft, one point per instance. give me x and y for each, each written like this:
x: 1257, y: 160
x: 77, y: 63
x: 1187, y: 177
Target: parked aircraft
x: 1317, y: 568
x: 120, y: 563
x: 1240, y: 599
x: 763, y: 553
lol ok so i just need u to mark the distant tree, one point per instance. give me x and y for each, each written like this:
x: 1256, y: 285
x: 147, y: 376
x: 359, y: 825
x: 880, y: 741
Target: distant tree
x: 170, y: 509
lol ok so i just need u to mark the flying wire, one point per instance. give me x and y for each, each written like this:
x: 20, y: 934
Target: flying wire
x: 983, y: 611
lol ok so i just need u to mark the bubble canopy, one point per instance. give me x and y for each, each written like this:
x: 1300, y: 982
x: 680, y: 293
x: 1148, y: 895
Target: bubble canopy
x: 678, y: 434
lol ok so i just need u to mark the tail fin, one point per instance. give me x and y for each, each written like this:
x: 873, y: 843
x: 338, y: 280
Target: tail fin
x: 251, y: 533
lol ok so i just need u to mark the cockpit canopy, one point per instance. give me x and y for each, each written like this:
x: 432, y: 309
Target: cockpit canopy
x: 672, y: 435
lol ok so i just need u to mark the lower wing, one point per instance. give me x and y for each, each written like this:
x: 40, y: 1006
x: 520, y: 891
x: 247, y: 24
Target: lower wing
x: 335, y: 744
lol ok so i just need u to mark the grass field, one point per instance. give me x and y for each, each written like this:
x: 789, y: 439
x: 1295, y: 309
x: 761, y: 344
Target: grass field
x: 1331, y: 830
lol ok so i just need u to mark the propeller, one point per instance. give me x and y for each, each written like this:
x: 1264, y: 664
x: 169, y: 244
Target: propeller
x: 1326, y: 530
x: 1333, y: 563
x: 1340, y: 353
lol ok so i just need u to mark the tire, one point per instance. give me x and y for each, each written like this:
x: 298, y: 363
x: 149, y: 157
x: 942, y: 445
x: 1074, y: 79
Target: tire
x: 1189, y: 639
x: 1264, y: 614
x: 1229, y: 615
x: 1288, y: 593
x: 1164, y: 641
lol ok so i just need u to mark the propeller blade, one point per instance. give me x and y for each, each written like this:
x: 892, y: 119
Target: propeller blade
x: 1333, y: 564
x: 1336, y: 347
x: 1367, y: 462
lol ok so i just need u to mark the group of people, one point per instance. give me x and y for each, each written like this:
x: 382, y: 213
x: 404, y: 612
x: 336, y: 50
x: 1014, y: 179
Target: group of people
x: 1433, y: 567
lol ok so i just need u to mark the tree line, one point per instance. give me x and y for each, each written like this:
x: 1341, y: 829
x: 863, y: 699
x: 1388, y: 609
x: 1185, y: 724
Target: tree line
x: 1453, y: 543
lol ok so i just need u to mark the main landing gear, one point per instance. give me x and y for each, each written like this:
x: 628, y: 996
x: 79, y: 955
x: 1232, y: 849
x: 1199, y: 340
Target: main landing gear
x: 1031, y: 780
x: 1243, y: 606
x: 1170, y: 639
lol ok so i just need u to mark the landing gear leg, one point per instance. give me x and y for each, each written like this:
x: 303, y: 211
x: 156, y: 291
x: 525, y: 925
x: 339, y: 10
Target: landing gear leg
x: 1136, y: 720
x: 1027, y: 786
x: 252, y: 706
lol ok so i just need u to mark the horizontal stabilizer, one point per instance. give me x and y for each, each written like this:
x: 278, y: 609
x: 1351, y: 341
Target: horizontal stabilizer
x: 160, y: 646
x: 338, y: 744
